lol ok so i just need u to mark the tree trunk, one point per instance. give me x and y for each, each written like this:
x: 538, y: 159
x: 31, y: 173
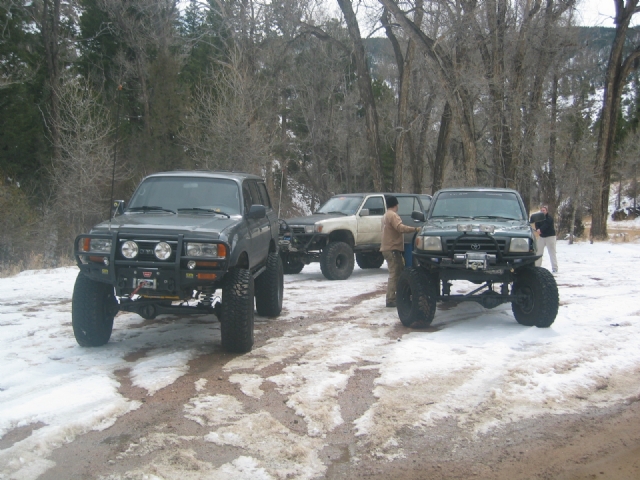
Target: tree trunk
x: 418, y: 154
x: 441, y: 150
x: 547, y: 172
x: 618, y: 69
x: 50, y: 29
x: 366, y: 95
x: 492, y: 51
x: 572, y: 225
x: 405, y: 74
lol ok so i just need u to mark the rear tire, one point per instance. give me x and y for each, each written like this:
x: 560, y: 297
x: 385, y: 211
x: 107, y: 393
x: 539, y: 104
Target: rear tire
x: 93, y: 307
x: 336, y: 261
x: 416, y: 297
x: 270, y: 287
x: 291, y: 265
x: 541, y: 306
x: 369, y: 260
x: 236, y: 315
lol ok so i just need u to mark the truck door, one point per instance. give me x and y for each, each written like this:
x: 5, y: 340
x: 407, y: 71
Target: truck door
x: 260, y: 227
x: 369, y: 227
x: 406, y: 205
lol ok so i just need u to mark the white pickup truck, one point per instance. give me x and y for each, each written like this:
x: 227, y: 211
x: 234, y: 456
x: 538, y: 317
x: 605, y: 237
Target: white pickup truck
x: 344, y: 225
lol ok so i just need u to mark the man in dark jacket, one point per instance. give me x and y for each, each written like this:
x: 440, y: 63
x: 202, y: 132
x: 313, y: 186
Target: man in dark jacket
x: 546, y: 238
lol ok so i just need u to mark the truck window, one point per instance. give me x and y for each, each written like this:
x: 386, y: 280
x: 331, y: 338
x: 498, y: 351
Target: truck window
x: 406, y: 205
x: 375, y: 205
x: 264, y: 194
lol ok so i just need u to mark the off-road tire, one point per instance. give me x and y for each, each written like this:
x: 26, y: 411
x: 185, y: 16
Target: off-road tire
x: 336, y: 261
x: 270, y: 287
x: 541, y: 308
x: 291, y: 265
x: 416, y: 296
x: 236, y: 315
x: 93, y: 307
x: 369, y: 260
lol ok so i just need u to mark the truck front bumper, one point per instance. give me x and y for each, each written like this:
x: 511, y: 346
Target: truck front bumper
x: 145, y: 275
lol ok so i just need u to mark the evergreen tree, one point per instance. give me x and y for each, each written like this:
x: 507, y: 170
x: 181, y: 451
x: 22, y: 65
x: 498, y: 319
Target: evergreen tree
x: 23, y: 148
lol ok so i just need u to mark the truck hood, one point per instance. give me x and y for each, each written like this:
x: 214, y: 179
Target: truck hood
x: 212, y: 225
x: 450, y: 226
x: 313, y: 219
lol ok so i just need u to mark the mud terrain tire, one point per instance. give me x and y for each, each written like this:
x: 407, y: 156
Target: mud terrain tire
x: 416, y: 297
x: 369, y: 260
x: 291, y: 265
x: 93, y: 307
x: 236, y: 316
x: 270, y: 287
x: 541, y: 307
x: 336, y: 261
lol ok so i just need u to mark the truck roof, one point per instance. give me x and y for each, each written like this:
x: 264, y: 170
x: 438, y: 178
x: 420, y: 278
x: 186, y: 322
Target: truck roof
x: 238, y: 176
x: 476, y: 189
x: 359, y: 194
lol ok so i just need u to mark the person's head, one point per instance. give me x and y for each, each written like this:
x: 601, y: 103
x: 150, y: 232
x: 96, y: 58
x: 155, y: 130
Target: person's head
x: 544, y: 209
x: 391, y: 201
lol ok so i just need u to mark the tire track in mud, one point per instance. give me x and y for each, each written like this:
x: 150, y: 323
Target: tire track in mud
x: 139, y: 441
x: 160, y: 422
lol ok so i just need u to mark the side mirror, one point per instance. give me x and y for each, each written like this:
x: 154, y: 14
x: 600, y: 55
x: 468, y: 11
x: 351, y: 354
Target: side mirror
x: 416, y: 215
x: 257, y: 211
x: 536, y: 217
x: 117, y: 208
x: 364, y: 212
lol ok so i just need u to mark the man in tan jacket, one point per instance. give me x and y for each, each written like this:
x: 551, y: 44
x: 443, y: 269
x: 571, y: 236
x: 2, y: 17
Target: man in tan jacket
x: 392, y: 246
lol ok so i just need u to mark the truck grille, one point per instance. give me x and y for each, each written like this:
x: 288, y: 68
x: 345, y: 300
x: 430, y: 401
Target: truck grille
x: 297, y: 230
x: 146, y: 250
x: 476, y: 244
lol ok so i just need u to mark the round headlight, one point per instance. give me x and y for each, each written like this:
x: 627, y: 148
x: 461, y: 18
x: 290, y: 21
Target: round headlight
x: 194, y: 249
x: 162, y: 251
x: 129, y: 249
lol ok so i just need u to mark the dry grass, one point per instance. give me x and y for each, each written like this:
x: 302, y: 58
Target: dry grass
x: 34, y: 262
x: 617, y: 233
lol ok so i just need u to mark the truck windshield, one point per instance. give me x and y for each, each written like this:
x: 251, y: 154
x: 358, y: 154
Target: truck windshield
x: 203, y: 195
x: 342, y: 204
x: 492, y: 205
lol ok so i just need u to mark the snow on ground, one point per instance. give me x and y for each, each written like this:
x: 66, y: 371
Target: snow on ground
x: 475, y: 366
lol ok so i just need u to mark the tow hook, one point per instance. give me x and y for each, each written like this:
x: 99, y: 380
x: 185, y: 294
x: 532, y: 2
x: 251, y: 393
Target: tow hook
x: 140, y: 285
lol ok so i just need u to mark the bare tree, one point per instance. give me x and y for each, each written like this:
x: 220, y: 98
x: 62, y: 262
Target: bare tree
x: 225, y: 125
x: 619, y: 68
x: 457, y: 93
x: 81, y: 175
x: 366, y: 94
x: 417, y: 93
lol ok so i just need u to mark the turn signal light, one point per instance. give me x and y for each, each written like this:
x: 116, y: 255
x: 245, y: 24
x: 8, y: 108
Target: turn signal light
x: 207, y: 276
x: 207, y: 264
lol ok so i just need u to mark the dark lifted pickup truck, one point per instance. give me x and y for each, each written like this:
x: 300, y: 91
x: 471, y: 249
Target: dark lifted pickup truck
x: 183, y: 236
x: 480, y: 235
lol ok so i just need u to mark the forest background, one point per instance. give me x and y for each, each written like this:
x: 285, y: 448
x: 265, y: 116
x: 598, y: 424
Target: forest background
x: 319, y: 98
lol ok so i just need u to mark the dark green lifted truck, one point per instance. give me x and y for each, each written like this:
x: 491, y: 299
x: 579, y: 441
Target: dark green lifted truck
x: 479, y: 235
x: 182, y: 237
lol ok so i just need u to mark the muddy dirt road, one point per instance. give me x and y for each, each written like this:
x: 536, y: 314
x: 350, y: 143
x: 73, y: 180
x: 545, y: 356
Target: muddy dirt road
x: 170, y: 437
